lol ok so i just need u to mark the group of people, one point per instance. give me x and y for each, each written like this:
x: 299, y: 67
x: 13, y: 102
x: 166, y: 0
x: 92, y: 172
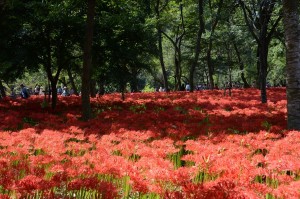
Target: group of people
x: 64, y: 91
x: 26, y: 92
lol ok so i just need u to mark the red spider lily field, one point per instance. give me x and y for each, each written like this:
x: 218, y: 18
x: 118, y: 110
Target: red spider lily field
x: 152, y: 145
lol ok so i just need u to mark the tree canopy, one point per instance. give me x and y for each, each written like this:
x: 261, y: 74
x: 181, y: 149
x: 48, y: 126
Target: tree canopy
x: 145, y: 44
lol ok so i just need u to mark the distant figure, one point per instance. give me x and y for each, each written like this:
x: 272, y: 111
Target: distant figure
x: 37, y: 89
x: 59, y: 90
x: 24, y: 92
x: 161, y: 89
x: 65, y: 92
x: 227, y: 86
x: 187, y: 87
x: 13, y: 94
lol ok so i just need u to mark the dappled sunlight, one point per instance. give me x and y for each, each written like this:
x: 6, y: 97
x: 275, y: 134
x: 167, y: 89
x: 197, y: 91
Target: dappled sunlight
x: 175, y: 145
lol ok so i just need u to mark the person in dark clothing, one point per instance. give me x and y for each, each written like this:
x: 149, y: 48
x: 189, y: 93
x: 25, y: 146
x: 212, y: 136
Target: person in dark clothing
x: 24, y: 92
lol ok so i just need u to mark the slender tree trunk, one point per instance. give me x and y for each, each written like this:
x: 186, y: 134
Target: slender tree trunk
x: 209, y: 49
x: 53, y: 93
x: 52, y: 80
x: 209, y: 64
x: 260, y: 25
x: 263, y: 63
x: 198, y: 44
x: 241, y: 64
x: 177, y: 73
x: 160, y: 48
x: 292, y: 40
x: 177, y: 55
x: 72, y: 81
x: 87, y: 61
x: 210, y: 69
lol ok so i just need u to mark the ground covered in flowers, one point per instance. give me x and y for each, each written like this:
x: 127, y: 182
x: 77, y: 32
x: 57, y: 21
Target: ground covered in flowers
x: 152, y: 145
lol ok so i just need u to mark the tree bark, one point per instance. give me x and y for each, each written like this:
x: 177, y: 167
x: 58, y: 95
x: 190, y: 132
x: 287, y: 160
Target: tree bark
x: 209, y: 49
x: 93, y: 91
x: 292, y: 40
x: 258, y: 28
x: 87, y: 61
x: 198, y: 44
x: 160, y: 48
x: 48, y: 66
x: 263, y: 63
x: 241, y: 64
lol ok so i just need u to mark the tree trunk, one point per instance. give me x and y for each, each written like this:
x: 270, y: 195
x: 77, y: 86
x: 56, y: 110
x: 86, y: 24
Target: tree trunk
x: 263, y: 38
x: 209, y: 49
x: 160, y: 49
x: 263, y: 63
x: 72, y: 81
x: 241, y: 64
x: 53, y: 93
x: 292, y: 32
x: 93, y: 88
x: 87, y: 61
x: 198, y: 44
x: 209, y: 64
x: 177, y: 72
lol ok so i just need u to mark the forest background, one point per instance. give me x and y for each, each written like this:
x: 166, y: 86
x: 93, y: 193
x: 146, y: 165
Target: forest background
x: 120, y: 46
x: 141, y: 45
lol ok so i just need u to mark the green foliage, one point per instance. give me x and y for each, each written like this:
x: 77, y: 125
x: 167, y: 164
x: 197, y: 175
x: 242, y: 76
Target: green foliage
x: 266, y: 125
x: 203, y: 176
x: 38, y: 33
x: 140, y: 108
x: 30, y: 121
x: 176, y: 158
x: 266, y: 180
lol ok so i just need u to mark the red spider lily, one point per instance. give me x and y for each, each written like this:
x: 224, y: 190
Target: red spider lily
x: 31, y: 183
x: 177, y: 145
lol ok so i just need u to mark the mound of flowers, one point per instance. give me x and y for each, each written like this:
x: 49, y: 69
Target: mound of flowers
x: 152, y: 145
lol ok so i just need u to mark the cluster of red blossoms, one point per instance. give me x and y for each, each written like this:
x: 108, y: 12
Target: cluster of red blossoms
x: 165, y: 145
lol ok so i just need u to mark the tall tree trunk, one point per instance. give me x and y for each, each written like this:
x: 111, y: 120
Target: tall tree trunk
x: 177, y: 55
x: 52, y: 79
x: 260, y: 24
x: 241, y: 64
x: 263, y: 63
x: 160, y: 48
x: 87, y: 61
x: 209, y: 49
x: 198, y: 44
x: 210, y: 69
x: 292, y: 40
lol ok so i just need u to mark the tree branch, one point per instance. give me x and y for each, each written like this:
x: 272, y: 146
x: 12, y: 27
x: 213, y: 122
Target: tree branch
x: 251, y: 29
x: 269, y: 36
